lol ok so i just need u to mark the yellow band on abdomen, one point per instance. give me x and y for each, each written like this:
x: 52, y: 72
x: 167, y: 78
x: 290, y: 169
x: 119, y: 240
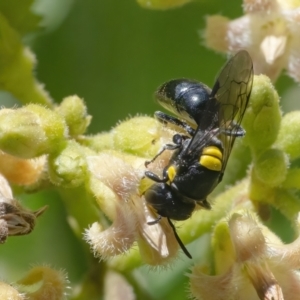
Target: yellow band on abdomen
x: 212, y: 151
x: 211, y: 163
x: 211, y: 158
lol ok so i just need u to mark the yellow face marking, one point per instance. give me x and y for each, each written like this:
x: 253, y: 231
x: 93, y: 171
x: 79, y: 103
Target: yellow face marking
x: 171, y: 172
x: 211, y: 158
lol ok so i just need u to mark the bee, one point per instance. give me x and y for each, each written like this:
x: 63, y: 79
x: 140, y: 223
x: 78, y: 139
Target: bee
x: 211, y: 121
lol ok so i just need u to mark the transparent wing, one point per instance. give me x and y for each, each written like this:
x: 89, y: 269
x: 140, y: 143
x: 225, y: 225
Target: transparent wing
x: 226, y: 107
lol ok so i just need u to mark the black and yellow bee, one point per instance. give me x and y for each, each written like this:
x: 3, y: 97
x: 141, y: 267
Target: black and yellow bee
x: 211, y: 120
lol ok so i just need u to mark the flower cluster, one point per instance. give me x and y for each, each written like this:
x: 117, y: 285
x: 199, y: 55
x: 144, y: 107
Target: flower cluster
x: 269, y: 31
x: 251, y: 262
x: 50, y: 149
x: 101, y: 177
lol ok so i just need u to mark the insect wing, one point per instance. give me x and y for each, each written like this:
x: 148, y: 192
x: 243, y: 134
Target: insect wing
x: 232, y: 90
x: 233, y: 87
x: 226, y: 107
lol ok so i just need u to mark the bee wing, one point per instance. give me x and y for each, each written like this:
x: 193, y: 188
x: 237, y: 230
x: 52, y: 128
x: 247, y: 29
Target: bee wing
x: 227, y: 104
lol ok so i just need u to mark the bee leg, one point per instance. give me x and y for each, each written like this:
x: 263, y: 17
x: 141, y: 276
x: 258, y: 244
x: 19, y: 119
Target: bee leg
x: 177, y: 140
x: 203, y: 203
x: 155, y: 221
x: 186, y: 252
x: 165, y: 147
x: 235, y: 130
x: 156, y: 178
x: 167, y: 119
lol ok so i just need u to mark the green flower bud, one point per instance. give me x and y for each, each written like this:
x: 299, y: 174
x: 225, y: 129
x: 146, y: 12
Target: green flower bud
x: 259, y: 191
x: 224, y: 255
x: 271, y: 167
x: 288, y: 204
x: 162, y: 4
x: 74, y: 110
x: 68, y: 168
x: 288, y: 137
x: 139, y: 136
x: 97, y: 142
x: 292, y: 180
x: 31, y: 131
x: 263, y: 115
x: 49, y: 284
x: 236, y: 168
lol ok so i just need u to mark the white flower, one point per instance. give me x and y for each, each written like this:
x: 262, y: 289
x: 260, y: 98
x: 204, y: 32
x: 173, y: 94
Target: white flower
x: 115, y: 180
x: 251, y: 263
x: 269, y: 31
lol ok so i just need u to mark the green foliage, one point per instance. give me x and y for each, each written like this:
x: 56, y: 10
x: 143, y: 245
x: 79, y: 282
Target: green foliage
x: 20, y: 15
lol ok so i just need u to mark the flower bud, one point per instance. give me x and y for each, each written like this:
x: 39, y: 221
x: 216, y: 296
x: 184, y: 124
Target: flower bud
x: 22, y: 171
x: 141, y: 136
x: 259, y: 191
x: 74, y: 110
x: 68, y: 168
x: 52, y: 284
x: 98, y: 142
x: 271, y: 167
x: 263, y: 115
x: 31, y: 131
x: 224, y: 254
x: 288, y: 138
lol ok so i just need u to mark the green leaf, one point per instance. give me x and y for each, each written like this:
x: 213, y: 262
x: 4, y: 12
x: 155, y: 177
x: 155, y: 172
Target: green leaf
x: 20, y: 15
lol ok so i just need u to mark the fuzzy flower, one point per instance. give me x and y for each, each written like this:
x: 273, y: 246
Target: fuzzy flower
x: 117, y: 181
x: 7, y: 291
x: 44, y: 283
x: 115, y: 184
x: 250, y: 263
x: 269, y: 31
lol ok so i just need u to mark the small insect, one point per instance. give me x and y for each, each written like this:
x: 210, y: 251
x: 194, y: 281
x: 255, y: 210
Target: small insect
x: 211, y: 120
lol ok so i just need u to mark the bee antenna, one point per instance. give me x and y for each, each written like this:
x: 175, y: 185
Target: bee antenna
x: 186, y: 252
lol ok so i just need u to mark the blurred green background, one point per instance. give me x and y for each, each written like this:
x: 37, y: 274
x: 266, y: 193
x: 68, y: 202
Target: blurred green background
x: 114, y: 54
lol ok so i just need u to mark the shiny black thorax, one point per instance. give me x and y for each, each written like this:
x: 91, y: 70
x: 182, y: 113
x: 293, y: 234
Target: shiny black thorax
x: 185, y: 98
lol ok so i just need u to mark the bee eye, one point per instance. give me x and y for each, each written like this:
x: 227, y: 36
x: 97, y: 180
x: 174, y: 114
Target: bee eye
x: 177, y: 139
